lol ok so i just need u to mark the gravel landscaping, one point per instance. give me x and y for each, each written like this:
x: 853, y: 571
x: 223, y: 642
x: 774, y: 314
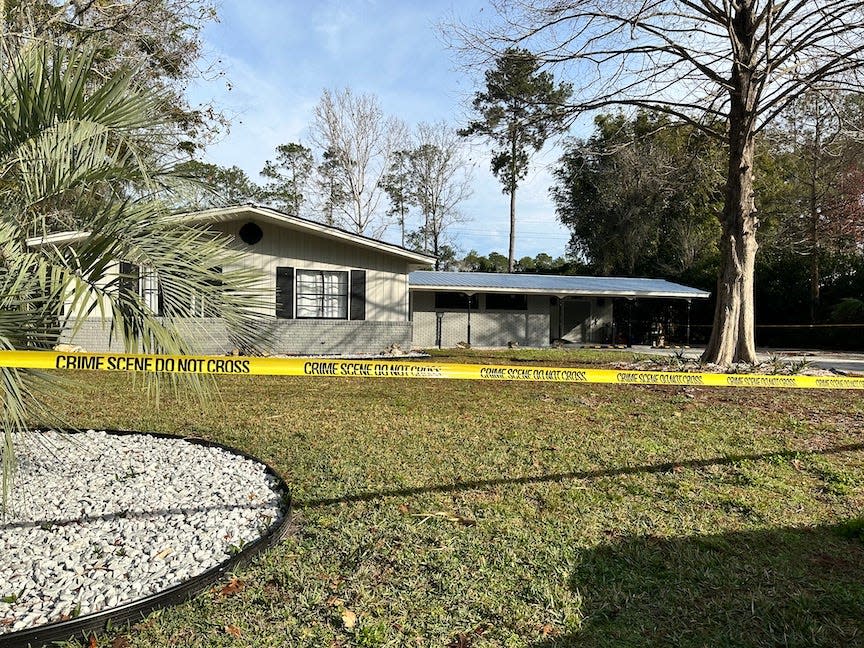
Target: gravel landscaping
x: 99, y: 519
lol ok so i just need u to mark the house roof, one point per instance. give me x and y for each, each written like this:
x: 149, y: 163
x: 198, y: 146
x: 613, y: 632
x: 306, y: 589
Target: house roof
x: 57, y: 238
x: 558, y: 285
x: 267, y: 215
x: 275, y: 217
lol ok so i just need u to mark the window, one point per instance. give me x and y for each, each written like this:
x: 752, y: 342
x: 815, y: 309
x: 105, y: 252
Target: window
x: 503, y: 301
x: 455, y: 301
x: 322, y: 294
x: 200, y: 306
x: 141, y: 281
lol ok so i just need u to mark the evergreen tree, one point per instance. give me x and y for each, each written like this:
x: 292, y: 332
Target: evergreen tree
x: 518, y: 110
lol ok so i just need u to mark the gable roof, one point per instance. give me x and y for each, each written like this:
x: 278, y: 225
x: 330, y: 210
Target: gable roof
x: 559, y: 285
x: 267, y: 215
x: 280, y: 219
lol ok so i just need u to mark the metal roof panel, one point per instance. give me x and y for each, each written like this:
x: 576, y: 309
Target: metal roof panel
x: 551, y: 284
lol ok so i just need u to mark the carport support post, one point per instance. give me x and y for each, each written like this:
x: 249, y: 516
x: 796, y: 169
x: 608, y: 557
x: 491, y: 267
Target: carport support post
x: 629, y: 322
x: 468, y: 297
x: 688, y: 323
x: 439, y: 327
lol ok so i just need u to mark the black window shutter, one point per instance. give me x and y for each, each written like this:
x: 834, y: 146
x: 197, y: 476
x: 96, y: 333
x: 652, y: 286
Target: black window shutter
x: 285, y: 293
x: 129, y: 278
x: 358, y: 294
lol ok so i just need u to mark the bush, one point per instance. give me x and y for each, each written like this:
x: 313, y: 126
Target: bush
x: 848, y: 311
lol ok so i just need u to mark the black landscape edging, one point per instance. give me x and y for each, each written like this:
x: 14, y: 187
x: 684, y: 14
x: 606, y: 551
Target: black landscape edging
x: 81, y: 627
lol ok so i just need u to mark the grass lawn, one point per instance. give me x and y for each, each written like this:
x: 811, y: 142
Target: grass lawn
x: 467, y: 514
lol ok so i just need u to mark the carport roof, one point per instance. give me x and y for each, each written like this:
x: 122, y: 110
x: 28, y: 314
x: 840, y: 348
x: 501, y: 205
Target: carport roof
x: 558, y: 285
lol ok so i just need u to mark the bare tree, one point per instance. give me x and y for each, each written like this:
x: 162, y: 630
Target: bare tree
x: 440, y: 179
x: 359, y: 139
x: 729, y: 68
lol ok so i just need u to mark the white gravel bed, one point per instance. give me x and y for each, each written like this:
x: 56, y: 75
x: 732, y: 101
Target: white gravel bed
x: 97, y: 520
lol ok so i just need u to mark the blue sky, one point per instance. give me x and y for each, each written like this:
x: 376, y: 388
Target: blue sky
x: 278, y: 56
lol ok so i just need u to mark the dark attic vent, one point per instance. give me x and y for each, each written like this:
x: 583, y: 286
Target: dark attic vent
x: 250, y: 233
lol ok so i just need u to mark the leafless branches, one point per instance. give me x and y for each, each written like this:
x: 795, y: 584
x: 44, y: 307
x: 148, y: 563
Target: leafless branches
x: 679, y: 56
x: 358, y: 139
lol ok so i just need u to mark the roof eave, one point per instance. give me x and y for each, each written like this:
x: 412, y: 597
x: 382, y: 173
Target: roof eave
x: 58, y: 238
x: 562, y: 293
x: 225, y: 214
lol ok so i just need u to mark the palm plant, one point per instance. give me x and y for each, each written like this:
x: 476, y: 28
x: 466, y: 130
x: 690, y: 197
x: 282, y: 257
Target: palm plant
x: 80, y: 179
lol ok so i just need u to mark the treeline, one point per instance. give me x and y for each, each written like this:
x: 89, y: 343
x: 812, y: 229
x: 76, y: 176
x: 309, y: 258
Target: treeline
x: 641, y: 197
x: 542, y: 263
x: 364, y: 172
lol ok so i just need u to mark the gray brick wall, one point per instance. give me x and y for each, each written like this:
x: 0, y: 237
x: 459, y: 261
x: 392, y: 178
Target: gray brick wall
x: 528, y: 328
x: 293, y: 337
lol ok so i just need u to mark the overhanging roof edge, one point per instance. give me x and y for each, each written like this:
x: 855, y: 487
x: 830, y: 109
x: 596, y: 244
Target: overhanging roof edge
x: 222, y: 214
x: 561, y: 291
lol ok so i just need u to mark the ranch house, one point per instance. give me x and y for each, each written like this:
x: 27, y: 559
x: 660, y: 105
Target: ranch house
x: 329, y: 291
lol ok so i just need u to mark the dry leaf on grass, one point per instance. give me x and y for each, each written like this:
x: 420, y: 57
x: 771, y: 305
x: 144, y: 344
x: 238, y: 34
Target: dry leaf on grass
x: 121, y: 641
x: 233, y: 630
x: 548, y: 630
x: 91, y: 642
x: 349, y: 619
x: 232, y: 587
x: 144, y: 625
x: 461, y: 640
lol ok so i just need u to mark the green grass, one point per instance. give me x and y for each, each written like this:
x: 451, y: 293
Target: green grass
x: 452, y: 513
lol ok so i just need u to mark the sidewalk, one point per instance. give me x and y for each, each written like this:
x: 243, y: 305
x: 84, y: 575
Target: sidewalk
x: 842, y: 360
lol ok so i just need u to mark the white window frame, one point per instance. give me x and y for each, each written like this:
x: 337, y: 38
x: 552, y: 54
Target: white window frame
x: 330, y: 298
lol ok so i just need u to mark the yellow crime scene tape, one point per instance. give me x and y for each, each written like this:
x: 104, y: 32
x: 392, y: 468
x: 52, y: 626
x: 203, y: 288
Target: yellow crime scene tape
x: 256, y: 366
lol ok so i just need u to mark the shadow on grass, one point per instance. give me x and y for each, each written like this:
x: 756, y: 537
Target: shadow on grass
x: 579, y: 474
x: 779, y: 587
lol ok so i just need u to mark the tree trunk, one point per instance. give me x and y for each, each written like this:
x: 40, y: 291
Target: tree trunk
x: 815, y: 280
x: 511, y: 258
x: 513, y: 179
x: 732, y: 336
x: 814, y: 220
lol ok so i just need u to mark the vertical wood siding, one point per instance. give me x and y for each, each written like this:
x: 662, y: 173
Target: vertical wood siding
x: 386, y: 276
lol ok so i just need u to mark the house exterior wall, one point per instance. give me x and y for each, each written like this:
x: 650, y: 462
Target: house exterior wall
x: 386, y: 276
x: 494, y: 328
x: 585, y: 321
x: 386, y: 299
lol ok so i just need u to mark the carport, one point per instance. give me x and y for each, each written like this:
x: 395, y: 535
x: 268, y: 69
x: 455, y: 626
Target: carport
x: 490, y: 309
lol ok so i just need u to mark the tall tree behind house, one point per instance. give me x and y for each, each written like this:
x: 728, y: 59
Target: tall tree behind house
x: 517, y: 110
